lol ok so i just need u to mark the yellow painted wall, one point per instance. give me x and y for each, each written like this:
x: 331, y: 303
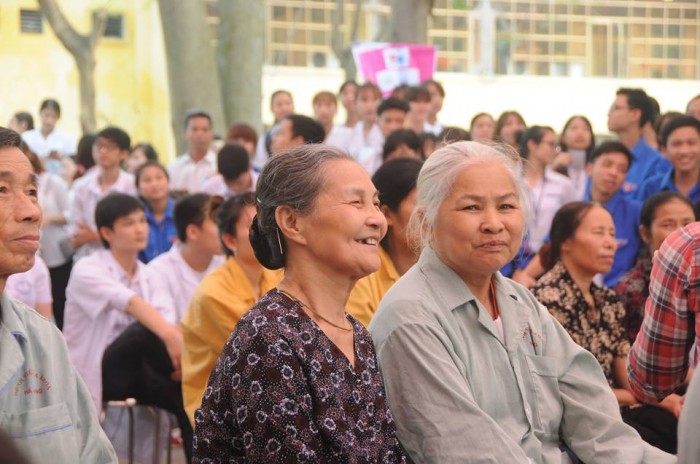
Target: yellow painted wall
x: 131, y: 78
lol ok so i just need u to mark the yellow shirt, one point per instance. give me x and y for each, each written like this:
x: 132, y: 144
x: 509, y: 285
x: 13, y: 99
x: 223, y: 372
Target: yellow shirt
x: 216, y: 307
x: 369, y: 291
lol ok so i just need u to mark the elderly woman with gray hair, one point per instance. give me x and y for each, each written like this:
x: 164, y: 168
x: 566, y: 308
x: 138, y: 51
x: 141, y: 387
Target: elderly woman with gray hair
x: 298, y: 380
x: 475, y: 369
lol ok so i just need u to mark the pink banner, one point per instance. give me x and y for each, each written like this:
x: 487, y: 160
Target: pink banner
x: 390, y: 65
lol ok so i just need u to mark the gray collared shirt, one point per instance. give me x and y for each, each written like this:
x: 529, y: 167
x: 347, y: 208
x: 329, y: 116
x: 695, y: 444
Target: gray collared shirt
x: 44, y: 405
x: 460, y: 393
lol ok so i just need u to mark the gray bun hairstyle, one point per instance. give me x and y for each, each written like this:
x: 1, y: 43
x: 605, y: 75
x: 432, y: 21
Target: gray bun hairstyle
x: 293, y: 178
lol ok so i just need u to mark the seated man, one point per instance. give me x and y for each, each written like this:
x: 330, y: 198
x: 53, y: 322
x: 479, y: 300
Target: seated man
x: 46, y: 408
x: 680, y: 144
x: 180, y: 270
x: 107, y: 292
x: 236, y: 174
x: 607, y: 169
x: 111, y: 148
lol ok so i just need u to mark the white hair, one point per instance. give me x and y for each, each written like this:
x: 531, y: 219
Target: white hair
x: 441, y: 169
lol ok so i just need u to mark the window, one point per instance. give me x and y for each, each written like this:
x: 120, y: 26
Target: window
x: 31, y: 21
x: 114, y: 27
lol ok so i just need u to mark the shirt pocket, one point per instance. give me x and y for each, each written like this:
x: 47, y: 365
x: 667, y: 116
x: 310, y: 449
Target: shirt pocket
x: 44, y: 434
x: 547, y: 407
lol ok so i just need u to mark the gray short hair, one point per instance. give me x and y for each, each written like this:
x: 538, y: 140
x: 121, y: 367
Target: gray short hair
x: 441, y: 169
x: 293, y: 178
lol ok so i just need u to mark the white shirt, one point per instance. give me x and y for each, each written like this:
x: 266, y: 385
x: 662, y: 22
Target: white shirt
x: 577, y: 172
x: 550, y: 194
x: 97, y: 296
x: 186, y: 174
x: 85, y: 195
x: 57, y: 140
x: 177, y: 278
x: 31, y: 287
x: 339, y: 136
x: 53, y: 199
x: 216, y: 185
x: 366, y: 150
x: 436, y: 128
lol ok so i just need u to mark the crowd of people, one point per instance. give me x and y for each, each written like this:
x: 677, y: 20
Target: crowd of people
x: 383, y: 289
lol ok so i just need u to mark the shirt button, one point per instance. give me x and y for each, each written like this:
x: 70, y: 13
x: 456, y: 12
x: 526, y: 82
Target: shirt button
x: 358, y: 382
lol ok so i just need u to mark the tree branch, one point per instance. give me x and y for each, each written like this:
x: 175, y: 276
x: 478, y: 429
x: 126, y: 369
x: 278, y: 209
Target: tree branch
x: 69, y: 37
x: 99, y: 24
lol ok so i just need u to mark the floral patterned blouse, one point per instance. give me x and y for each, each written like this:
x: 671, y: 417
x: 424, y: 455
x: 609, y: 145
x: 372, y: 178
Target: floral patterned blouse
x: 281, y: 391
x: 633, y: 290
x: 596, y: 329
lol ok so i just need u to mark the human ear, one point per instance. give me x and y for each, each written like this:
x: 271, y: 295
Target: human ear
x: 291, y: 224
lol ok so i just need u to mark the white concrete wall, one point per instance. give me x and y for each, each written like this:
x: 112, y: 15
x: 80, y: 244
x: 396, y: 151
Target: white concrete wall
x: 541, y: 100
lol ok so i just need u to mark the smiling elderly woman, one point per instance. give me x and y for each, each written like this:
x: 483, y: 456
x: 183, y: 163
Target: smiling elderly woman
x: 298, y: 380
x: 475, y: 369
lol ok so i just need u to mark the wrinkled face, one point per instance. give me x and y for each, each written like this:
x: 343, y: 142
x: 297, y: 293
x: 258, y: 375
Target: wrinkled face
x: 20, y: 215
x: 545, y: 151
x: 129, y: 234
x: 668, y: 218
x: 390, y: 121
x: 367, y: 103
x: 621, y: 116
x: 107, y: 154
x: 153, y: 184
x: 479, y: 225
x: 135, y: 160
x: 512, y: 126
x: 343, y: 231
x: 324, y: 111
x: 436, y: 99
x: 483, y: 128
x: 577, y: 135
x: 592, y: 248
x: 282, y: 105
x: 683, y: 149
x: 48, y: 117
x: 608, y: 173
x: 199, y: 134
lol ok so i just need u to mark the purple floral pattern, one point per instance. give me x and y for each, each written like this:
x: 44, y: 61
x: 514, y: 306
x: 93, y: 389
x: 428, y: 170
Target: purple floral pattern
x: 281, y: 391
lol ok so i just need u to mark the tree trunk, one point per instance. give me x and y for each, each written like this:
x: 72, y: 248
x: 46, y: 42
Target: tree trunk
x: 82, y: 48
x: 192, y: 75
x: 241, y: 54
x: 341, y: 49
x: 86, y: 71
x: 409, y: 22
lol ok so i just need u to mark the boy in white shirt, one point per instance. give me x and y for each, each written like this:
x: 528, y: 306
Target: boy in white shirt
x: 198, y: 252
x: 236, y: 174
x: 111, y: 148
x: 119, y: 325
